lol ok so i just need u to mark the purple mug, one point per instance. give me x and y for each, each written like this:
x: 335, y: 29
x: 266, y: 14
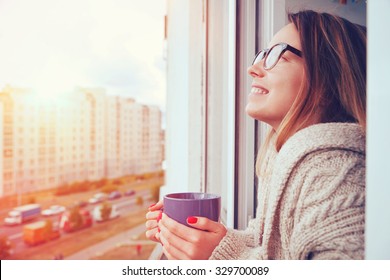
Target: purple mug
x: 180, y: 206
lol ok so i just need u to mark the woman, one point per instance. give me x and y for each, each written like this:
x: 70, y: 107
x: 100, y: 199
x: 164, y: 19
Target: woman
x: 310, y: 87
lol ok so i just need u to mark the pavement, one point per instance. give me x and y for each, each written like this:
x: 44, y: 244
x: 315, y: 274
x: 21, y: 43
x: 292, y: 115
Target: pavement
x: 128, y: 237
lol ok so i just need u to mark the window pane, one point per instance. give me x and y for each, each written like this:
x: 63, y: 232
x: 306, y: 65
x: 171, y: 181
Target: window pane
x: 82, y: 103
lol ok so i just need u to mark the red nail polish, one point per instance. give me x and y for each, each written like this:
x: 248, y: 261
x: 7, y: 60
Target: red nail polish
x: 152, y: 205
x: 192, y: 220
x: 159, y: 217
x: 158, y: 230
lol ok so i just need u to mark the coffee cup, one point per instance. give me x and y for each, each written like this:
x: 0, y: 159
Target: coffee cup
x: 180, y: 206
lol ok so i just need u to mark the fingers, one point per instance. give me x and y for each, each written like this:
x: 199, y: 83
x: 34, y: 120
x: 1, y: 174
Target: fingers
x: 181, y: 231
x: 152, y: 230
x: 153, y: 215
x: 151, y: 234
x: 205, y: 224
x: 156, y: 206
x: 151, y: 224
x: 183, y: 242
x: 175, y: 246
x: 190, y: 234
x: 170, y: 250
x: 171, y: 239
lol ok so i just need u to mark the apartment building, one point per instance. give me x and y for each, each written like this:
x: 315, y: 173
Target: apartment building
x: 20, y: 132
x: 134, y: 143
x: 84, y: 135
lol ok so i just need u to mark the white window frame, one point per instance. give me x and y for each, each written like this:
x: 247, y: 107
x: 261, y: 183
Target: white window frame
x: 245, y: 188
x: 230, y: 168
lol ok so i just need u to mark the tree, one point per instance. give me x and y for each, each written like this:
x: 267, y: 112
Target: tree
x: 155, y: 192
x: 5, y: 247
x: 101, y: 183
x: 105, y: 211
x: 84, y: 186
x: 117, y: 182
x: 139, y: 200
x: 48, y: 229
x: 75, y: 218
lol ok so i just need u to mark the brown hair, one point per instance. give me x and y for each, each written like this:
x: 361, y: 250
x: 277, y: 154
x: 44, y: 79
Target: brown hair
x: 334, y: 55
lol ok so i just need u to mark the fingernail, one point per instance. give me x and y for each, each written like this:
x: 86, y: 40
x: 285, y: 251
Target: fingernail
x: 159, y: 217
x: 158, y: 229
x: 151, y: 205
x: 192, y: 220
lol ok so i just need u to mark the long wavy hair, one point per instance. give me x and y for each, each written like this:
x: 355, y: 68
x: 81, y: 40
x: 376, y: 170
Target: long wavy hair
x: 334, y: 57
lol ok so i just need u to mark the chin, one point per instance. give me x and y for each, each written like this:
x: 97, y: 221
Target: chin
x: 253, y: 113
x: 259, y: 117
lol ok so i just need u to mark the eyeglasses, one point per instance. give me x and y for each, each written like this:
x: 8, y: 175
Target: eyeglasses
x: 271, y: 56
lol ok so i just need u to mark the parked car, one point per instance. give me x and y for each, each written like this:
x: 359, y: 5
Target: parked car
x: 98, y: 197
x: 130, y: 192
x: 53, y: 210
x: 114, y: 195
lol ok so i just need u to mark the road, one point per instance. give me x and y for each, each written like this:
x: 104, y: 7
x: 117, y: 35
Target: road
x: 123, y: 238
x: 124, y: 205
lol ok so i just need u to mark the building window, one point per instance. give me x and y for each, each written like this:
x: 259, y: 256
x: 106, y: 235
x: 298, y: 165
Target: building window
x: 8, y: 176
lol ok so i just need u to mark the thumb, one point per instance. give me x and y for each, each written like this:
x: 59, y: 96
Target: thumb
x: 204, y: 224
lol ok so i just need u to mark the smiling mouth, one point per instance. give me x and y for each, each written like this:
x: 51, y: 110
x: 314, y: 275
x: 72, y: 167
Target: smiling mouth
x: 256, y: 90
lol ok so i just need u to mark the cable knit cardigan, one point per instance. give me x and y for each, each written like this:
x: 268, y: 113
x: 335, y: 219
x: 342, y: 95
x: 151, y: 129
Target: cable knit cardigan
x: 311, y: 200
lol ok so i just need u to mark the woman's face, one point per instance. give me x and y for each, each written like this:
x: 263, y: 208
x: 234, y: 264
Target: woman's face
x: 274, y: 91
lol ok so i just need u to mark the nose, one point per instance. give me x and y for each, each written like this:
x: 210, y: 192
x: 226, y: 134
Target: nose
x: 256, y: 70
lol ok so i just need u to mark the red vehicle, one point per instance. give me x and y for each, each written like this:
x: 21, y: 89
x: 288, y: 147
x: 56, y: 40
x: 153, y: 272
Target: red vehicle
x: 82, y: 219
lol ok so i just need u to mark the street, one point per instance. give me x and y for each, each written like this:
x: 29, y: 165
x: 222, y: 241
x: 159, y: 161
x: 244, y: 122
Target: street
x: 124, y: 205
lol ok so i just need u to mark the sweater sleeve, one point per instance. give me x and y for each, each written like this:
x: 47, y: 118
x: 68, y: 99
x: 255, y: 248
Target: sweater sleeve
x: 328, y: 222
x: 239, y: 244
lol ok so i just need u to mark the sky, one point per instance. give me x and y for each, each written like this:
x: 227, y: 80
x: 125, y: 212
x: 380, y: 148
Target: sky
x: 53, y: 46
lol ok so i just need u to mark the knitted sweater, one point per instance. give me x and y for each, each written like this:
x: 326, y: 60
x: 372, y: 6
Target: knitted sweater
x: 311, y: 201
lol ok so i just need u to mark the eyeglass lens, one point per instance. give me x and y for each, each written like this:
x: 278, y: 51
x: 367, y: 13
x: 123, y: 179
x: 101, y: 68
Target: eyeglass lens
x: 259, y: 57
x: 272, y: 56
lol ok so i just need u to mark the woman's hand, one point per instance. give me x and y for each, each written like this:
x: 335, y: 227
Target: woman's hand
x: 183, y: 242
x: 152, y: 217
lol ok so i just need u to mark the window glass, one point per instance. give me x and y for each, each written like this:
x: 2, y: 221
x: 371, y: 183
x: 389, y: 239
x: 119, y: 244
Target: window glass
x: 82, y: 100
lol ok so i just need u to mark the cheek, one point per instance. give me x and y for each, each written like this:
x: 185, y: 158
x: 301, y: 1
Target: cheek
x: 284, y: 89
x: 283, y: 96
x: 287, y: 89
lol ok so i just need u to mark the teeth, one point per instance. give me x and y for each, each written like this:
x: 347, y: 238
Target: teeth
x: 258, y: 91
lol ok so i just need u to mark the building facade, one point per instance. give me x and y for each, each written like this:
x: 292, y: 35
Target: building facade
x: 84, y: 135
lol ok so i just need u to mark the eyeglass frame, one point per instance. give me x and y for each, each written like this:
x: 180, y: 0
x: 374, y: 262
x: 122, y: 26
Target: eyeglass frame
x: 285, y: 47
